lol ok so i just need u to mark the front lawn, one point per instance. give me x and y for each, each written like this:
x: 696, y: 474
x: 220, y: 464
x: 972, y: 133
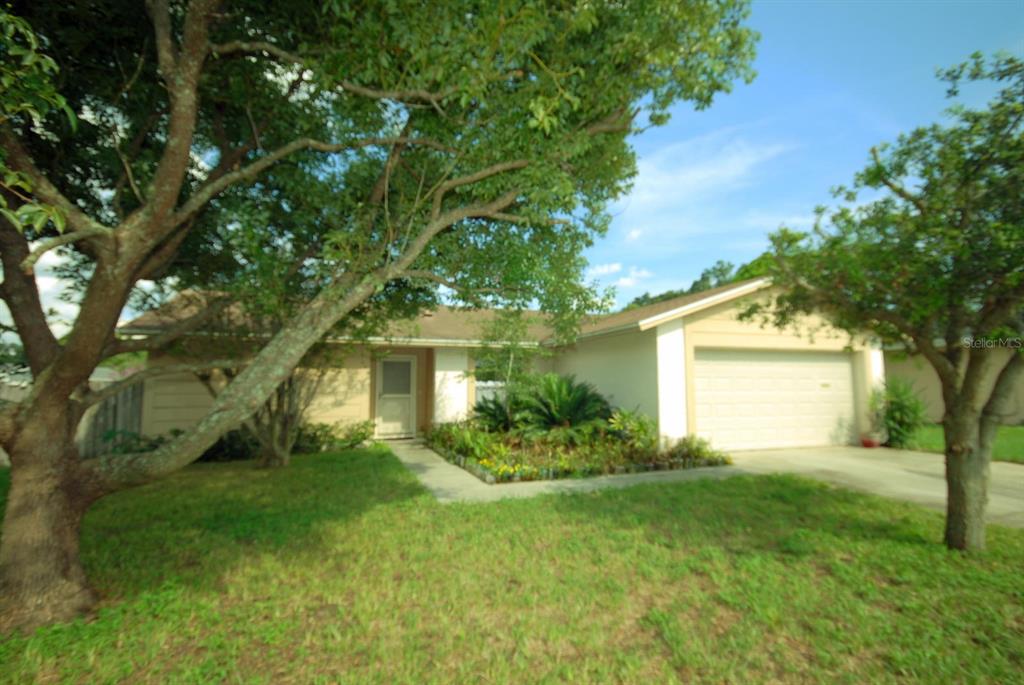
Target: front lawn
x: 341, y: 568
x: 1009, y: 442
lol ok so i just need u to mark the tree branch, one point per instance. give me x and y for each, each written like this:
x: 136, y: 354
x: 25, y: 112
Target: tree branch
x: 250, y: 171
x: 255, y: 47
x: 53, y: 243
x: 160, y: 15
x: 896, y: 187
x: 19, y: 159
x: 476, y: 177
x: 97, y: 396
x: 171, y: 334
x: 21, y: 294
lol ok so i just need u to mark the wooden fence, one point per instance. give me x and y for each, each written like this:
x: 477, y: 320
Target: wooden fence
x: 121, y: 413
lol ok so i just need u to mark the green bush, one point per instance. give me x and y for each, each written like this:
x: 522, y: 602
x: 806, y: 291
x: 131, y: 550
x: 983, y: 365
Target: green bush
x: 696, y: 451
x: 236, y: 445
x: 636, y: 431
x: 898, y: 412
x: 322, y: 437
x: 564, y: 410
x: 500, y: 415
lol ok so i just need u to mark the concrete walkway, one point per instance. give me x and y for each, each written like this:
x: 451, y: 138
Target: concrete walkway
x: 910, y: 476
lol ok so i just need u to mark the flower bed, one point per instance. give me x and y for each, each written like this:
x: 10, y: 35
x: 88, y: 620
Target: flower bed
x: 556, y: 427
x: 503, y: 458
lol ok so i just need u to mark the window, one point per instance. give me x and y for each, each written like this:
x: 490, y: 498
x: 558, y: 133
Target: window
x: 396, y: 377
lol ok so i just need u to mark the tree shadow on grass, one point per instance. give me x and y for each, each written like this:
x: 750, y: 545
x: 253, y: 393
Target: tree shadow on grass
x: 190, y: 528
x: 777, y: 513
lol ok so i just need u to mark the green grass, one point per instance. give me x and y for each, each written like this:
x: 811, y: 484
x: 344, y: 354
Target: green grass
x: 342, y: 569
x: 1009, y: 442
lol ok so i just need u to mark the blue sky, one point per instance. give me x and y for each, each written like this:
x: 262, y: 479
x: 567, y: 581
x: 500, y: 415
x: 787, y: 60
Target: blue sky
x: 834, y: 78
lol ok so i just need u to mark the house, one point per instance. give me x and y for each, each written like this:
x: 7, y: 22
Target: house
x: 690, y: 363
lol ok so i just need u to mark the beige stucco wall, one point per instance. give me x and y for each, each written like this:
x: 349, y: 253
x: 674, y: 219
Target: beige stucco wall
x: 179, y: 401
x: 925, y: 381
x: 623, y: 367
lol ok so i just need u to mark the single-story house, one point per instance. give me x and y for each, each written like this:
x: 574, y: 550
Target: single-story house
x: 690, y: 363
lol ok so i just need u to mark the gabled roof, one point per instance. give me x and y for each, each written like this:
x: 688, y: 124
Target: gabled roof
x: 448, y: 326
x: 648, y: 316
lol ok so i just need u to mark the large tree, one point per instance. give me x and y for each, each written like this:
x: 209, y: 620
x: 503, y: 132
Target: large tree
x: 477, y: 144
x: 935, y: 265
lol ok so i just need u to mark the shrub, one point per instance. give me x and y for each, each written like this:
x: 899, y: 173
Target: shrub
x: 500, y: 415
x: 322, y: 437
x: 575, y: 411
x: 464, y: 438
x: 353, y: 435
x: 236, y: 445
x: 128, y: 442
x: 696, y: 451
x: 897, y: 412
x: 637, y: 431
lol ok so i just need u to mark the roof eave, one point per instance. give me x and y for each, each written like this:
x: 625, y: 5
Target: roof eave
x: 700, y: 305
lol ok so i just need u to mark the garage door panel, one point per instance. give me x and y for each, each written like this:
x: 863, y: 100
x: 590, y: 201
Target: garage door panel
x: 747, y: 399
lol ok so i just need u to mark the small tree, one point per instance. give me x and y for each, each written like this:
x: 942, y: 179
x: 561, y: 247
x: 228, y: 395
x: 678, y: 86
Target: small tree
x: 936, y: 265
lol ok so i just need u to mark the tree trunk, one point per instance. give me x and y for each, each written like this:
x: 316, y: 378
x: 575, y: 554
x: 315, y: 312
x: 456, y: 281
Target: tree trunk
x: 968, y: 453
x: 273, y: 456
x: 40, y: 573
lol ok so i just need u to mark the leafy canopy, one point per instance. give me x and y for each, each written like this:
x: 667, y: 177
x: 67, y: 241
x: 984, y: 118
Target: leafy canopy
x: 940, y: 254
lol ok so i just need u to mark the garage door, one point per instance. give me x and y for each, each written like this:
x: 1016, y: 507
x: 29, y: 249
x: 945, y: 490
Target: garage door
x: 758, y: 400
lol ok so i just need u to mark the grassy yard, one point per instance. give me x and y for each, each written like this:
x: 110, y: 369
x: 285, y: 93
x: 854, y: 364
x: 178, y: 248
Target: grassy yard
x: 342, y: 569
x: 1009, y: 442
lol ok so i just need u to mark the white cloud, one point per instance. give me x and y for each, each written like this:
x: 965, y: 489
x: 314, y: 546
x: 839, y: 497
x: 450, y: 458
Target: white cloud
x: 635, y: 276
x: 692, y: 169
x: 633, y: 235
x: 598, y: 270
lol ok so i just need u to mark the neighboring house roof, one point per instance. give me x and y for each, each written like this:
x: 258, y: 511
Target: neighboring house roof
x: 454, y: 327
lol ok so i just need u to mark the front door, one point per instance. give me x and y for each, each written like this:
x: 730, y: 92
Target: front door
x: 396, y: 397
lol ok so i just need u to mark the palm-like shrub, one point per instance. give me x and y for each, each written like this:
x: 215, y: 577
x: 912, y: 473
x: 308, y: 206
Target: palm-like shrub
x: 564, y: 407
x: 500, y: 414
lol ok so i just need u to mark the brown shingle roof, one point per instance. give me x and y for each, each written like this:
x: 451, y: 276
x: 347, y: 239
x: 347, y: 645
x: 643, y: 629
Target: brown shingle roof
x: 629, y: 317
x: 444, y: 323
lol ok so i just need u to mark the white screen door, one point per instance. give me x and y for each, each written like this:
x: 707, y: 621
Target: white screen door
x: 396, y: 397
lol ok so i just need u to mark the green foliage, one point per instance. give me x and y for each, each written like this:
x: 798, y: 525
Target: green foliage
x: 897, y: 412
x: 234, y: 445
x: 719, y: 274
x: 500, y: 414
x: 12, y: 353
x: 695, y: 450
x: 636, y: 430
x: 940, y: 254
x: 27, y: 96
x: 322, y: 437
x: 564, y: 408
x: 128, y: 442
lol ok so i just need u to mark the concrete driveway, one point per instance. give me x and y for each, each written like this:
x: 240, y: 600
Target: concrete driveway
x: 912, y: 476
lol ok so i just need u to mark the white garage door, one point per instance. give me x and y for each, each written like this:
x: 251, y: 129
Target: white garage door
x: 758, y: 400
